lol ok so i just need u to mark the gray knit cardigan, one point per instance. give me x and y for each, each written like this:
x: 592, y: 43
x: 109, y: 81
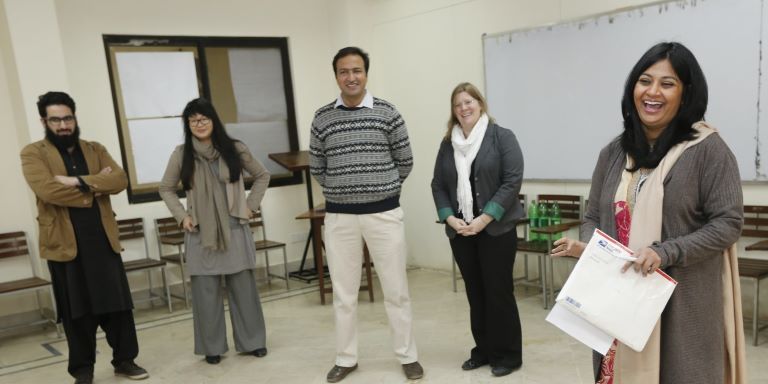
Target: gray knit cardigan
x: 702, y: 216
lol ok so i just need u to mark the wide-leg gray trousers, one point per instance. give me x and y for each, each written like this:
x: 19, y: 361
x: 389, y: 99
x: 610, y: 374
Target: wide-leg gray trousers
x: 244, y: 310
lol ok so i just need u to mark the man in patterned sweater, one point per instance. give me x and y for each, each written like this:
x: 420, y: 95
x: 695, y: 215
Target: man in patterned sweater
x: 361, y: 155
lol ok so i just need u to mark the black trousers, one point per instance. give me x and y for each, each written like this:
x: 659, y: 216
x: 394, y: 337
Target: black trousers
x: 486, y: 264
x: 120, y: 332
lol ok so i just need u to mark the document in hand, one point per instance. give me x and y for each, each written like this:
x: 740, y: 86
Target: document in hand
x: 624, y: 305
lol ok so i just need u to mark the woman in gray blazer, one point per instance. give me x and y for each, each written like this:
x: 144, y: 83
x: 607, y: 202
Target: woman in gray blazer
x: 477, y: 178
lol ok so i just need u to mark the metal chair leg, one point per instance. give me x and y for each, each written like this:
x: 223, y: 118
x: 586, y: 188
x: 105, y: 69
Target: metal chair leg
x: 755, y: 312
x: 151, y: 294
x: 167, y: 290
x: 543, y: 280
x: 525, y: 267
x: 285, y: 268
x: 183, y: 277
x: 39, y: 304
x: 269, y: 274
x: 551, y: 277
x: 55, y: 312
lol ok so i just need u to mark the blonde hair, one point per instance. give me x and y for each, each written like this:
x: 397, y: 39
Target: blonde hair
x: 473, y: 92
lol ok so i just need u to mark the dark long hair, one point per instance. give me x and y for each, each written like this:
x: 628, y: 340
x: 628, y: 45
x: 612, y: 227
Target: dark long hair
x: 693, y: 105
x: 219, y: 138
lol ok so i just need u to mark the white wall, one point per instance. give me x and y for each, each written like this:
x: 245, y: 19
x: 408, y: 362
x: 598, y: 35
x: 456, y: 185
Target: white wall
x: 58, y: 45
x: 419, y: 51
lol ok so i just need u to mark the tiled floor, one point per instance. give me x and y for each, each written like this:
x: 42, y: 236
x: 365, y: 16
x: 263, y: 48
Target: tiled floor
x: 301, y: 345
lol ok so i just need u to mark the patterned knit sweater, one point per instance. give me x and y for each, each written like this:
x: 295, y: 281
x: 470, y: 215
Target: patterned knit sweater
x: 360, y: 156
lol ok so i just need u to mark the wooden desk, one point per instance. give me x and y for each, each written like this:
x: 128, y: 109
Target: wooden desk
x: 759, y: 246
x: 299, y: 161
x: 296, y: 161
x: 316, y: 217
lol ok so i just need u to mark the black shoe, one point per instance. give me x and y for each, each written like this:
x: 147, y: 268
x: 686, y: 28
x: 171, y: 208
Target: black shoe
x: 338, y: 373
x: 130, y: 370
x: 413, y: 371
x: 261, y: 352
x: 501, y: 370
x: 213, y: 359
x: 473, y: 364
x: 85, y: 378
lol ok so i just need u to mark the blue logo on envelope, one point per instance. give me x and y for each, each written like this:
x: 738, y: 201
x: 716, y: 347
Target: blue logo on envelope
x: 602, y: 243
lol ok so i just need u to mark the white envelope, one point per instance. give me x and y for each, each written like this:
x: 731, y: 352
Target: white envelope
x: 623, y: 305
x: 580, y: 329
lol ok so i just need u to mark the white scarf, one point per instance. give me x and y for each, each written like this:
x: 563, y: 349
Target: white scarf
x: 464, y: 152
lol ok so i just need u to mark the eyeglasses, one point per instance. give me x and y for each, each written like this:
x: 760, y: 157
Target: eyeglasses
x: 58, y: 120
x: 465, y: 103
x: 199, y: 122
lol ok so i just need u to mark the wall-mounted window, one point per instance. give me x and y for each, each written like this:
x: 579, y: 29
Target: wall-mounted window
x: 247, y: 79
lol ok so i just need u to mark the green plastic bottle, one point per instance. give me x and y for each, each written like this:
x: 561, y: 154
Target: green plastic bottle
x: 543, y: 219
x: 533, y: 216
x: 555, y: 213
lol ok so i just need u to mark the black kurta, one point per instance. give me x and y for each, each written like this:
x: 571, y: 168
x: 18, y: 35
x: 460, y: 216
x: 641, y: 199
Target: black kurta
x: 94, y: 282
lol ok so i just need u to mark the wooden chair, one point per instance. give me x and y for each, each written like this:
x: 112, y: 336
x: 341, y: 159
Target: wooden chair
x: 571, y: 214
x: 265, y: 245
x: 14, y: 245
x: 755, y: 225
x: 169, y: 233
x: 132, y: 229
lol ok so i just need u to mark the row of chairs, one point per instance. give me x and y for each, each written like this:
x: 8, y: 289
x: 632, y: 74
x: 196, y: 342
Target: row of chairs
x: 15, y: 245
x: 169, y: 234
x: 755, y: 269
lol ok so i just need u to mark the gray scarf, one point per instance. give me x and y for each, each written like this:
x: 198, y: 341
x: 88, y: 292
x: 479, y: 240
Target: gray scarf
x: 212, y: 206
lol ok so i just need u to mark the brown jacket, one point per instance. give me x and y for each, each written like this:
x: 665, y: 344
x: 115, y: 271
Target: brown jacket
x: 40, y: 162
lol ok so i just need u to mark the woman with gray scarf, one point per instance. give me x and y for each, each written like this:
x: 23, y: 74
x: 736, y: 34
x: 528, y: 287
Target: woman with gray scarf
x: 218, y: 242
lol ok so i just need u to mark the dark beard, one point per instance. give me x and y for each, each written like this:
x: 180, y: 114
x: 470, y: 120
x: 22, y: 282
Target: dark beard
x: 65, y: 141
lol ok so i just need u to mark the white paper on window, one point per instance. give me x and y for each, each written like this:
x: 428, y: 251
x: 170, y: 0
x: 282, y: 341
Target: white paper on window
x: 257, y: 82
x: 263, y: 139
x: 156, y: 84
x: 153, y: 141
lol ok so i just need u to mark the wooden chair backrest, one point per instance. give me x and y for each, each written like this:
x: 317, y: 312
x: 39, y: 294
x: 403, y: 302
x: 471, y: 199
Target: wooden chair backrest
x: 755, y: 221
x: 13, y: 244
x: 131, y: 228
x: 167, y: 226
x: 571, y: 206
x: 257, y: 220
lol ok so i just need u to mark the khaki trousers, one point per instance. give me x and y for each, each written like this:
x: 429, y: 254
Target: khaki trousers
x: 384, y: 233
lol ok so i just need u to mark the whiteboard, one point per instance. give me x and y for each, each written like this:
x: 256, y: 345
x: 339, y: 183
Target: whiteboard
x: 559, y: 87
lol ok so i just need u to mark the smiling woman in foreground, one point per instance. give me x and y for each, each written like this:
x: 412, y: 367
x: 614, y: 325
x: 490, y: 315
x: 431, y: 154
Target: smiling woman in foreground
x: 669, y: 188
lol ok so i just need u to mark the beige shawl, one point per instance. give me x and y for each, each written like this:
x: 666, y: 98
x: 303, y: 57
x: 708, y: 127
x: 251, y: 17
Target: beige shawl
x: 213, y: 208
x: 632, y: 367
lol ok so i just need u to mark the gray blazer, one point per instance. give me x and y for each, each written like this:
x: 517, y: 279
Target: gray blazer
x: 498, y: 171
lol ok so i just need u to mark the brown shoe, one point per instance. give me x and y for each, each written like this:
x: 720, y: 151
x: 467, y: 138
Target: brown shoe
x: 338, y: 373
x: 413, y: 370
